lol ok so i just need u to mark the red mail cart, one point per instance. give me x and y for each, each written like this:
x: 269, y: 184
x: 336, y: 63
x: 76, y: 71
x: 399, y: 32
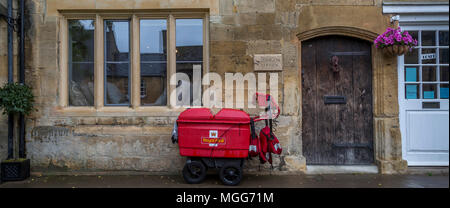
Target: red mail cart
x: 214, y: 141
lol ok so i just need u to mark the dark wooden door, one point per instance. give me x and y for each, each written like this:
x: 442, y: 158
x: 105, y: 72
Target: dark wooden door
x: 337, y: 101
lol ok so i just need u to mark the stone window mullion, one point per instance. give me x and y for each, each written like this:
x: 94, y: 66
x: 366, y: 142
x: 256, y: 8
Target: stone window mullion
x: 99, y: 64
x: 171, y: 58
x: 135, y: 63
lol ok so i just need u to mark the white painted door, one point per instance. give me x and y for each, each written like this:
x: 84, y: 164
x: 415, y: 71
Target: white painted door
x: 424, y: 97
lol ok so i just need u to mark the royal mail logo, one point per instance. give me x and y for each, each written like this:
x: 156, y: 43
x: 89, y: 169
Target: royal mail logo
x: 213, y: 140
x: 213, y: 134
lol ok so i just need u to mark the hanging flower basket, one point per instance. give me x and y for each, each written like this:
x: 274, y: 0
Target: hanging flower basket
x: 396, y: 50
x: 395, y: 42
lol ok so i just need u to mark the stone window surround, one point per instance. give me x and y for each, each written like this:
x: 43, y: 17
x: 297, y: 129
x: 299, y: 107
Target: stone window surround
x: 135, y: 108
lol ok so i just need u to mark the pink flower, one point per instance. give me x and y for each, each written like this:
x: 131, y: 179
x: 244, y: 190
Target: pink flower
x: 394, y: 36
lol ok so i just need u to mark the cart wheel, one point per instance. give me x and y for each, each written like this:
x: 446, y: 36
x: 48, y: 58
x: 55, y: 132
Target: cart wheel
x: 195, y: 172
x: 231, y: 174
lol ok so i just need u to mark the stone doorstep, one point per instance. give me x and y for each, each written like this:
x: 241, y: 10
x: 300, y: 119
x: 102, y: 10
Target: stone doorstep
x: 438, y: 170
x: 341, y: 169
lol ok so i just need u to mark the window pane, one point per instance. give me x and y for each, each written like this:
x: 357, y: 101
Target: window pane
x: 412, y: 57
x: 153, y: 62
x: 428, y: 56
x: 444, y: 73
x: 411, y: 74
x: 117, y: 84
x: 428, y: 38
x: 154, y: 76
x: 443, y: 38
x: 153, y: 40
x: 429, y: 91
x: 412, y: 91
x: 81, y: 40
x: 429, y: 73
x: 81, y: 62
x: 189, y: 50
x: 117, y: 65
x: 443, y: 56
x: 444, y: 91
x: 81, y: 84
x: 117, y: 38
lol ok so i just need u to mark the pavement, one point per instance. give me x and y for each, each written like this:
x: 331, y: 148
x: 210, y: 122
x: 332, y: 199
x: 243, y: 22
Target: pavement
x: 426, y: 180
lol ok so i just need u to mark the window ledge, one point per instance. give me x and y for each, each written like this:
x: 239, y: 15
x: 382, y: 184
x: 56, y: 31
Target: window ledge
x: 152, y: 111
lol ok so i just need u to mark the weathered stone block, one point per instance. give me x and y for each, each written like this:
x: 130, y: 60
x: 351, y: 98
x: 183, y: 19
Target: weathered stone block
x: 265, y: 18
x: 287, y: 19
x: 221, y: 32
x: 264, y: 47
x: 226, y: 7
x: 221, y: 64
x: 295, y: 163
x: 254, y: 6
x: 285, y: 5
x: 256, y: 32
x: 272, y: 32
x: 228, y: 47
x: 142, y: 4
x: 53, y: 5
x: 246, y: 19
x: 240, y: 33
x: 291, y: 92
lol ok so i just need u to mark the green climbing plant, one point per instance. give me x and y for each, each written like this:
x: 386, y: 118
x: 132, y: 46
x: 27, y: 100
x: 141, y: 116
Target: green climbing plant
x: 16, y: 98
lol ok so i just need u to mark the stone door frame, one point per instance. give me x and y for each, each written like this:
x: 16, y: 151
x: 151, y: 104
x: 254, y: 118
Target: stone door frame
x: 387, y: 138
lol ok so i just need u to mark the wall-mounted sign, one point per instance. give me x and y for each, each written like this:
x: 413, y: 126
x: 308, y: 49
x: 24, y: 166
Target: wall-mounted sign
x: 268, y: 62
x: 428, y: 56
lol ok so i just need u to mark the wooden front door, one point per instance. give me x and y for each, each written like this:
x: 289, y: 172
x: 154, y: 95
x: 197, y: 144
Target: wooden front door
x: 337, y: 101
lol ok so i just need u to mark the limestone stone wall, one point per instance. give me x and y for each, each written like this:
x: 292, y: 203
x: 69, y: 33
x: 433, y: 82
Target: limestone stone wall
x: 126, y: 141
x: 238, y: 29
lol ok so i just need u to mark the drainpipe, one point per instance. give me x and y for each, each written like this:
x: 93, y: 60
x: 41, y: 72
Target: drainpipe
x: 22, y: 78
x: 10, y: 79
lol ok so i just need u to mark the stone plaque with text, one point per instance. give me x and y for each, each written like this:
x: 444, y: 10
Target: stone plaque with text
x: 268, y: 62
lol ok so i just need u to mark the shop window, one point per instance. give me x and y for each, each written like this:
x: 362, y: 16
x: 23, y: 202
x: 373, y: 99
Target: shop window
x: 426, y: 66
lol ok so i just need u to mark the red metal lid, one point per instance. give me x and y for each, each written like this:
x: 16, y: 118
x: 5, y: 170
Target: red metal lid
x: 205, y: 115
x: 196, y: 114
x: 232, y: 115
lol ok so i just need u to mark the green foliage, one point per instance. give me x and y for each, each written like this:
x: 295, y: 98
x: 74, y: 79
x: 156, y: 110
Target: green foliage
x: 16, y: 98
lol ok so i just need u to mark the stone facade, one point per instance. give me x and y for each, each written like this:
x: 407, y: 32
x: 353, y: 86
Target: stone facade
x: 131, y: 141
